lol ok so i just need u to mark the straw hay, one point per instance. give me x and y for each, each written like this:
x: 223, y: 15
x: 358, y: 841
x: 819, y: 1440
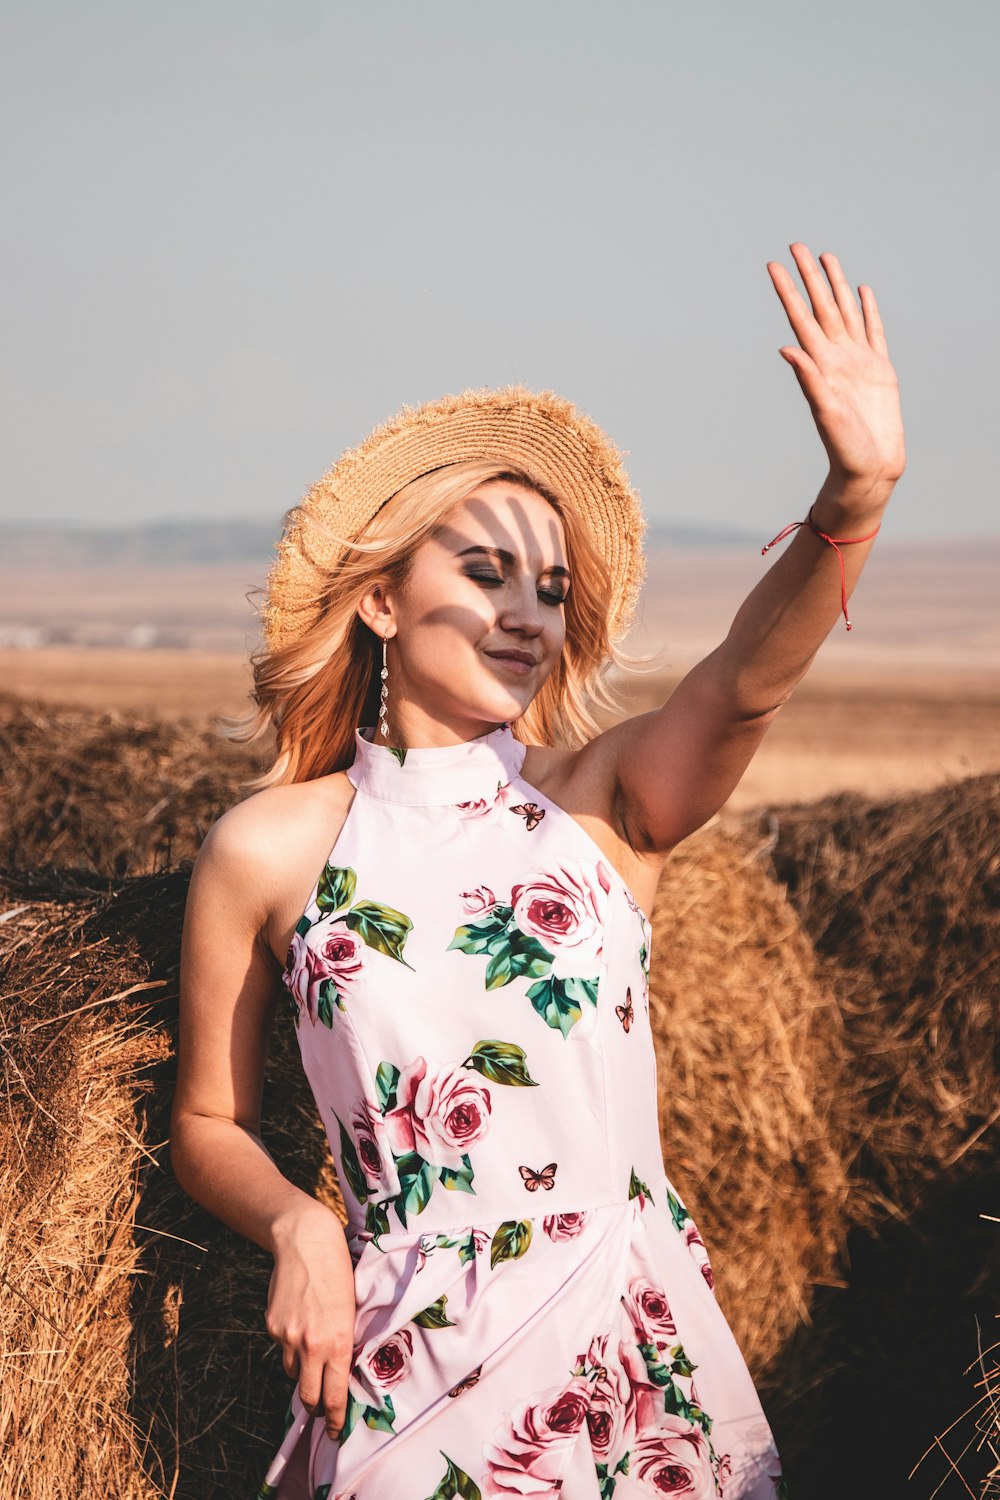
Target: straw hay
x: 827, y: 1066
x: 750, y: 1052
x: 134, y: 1356
x: 902, y: 904
x: 109, y: 792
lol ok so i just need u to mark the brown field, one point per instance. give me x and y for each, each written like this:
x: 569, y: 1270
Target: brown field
x: 908, y: 700
x: 869, y: 728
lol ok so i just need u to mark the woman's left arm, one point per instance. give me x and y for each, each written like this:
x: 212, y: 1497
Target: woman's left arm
x: 676, y: 765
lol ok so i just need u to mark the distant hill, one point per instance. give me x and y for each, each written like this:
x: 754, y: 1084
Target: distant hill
x: 167, y: 544
x: 160, y: 544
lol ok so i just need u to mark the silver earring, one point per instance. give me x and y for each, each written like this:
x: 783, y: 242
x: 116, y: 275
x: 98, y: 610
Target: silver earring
x: 383, y: 722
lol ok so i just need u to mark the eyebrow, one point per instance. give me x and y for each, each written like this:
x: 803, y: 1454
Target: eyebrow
x: 502, y: 555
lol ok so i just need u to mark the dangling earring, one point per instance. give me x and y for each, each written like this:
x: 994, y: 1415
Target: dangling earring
x: 383, y: 722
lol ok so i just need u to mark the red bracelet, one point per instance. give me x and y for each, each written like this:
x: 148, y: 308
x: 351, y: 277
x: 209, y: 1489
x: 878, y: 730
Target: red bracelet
x: 835, y: 542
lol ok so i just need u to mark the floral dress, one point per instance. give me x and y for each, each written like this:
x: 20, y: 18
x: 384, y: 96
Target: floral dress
x: 535, y: 1314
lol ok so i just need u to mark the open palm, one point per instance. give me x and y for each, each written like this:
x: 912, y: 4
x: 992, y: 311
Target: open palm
x: 842, y: 364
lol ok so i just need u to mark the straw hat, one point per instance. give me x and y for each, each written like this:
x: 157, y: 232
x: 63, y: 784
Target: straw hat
x: 539, y: 433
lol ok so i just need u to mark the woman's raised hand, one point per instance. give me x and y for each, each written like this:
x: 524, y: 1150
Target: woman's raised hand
x: 842, y: 364
x: 310, y: 1309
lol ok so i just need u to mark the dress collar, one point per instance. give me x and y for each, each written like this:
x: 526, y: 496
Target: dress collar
x: 437, y: 775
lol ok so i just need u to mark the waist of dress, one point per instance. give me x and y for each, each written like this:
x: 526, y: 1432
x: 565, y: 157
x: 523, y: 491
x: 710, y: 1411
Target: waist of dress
x: 535, y: 1213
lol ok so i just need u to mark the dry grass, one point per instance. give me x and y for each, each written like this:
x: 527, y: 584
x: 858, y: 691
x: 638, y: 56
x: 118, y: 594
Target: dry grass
x: 824, y: 996
x: 114, y: 793
x: 135, y: 1358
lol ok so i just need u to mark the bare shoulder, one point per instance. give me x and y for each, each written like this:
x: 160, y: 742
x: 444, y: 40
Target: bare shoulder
x: 586, y: 784
x: 268, y: 850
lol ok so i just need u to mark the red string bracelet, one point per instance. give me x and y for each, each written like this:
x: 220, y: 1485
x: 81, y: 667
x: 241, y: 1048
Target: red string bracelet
x: 835, y: 542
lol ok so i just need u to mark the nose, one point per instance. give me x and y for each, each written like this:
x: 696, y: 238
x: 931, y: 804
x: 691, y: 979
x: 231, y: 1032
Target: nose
x: 522, y: 612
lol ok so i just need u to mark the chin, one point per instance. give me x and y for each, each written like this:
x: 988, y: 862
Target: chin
x: 498, y: 709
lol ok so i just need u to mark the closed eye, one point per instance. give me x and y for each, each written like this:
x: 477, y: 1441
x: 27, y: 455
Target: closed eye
x: 550, y: 596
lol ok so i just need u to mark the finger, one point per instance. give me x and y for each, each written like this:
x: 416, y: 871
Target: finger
x: 853, y: 321
x: 311, y: 1384
x: 824, y: 307
x: 804, y: 326
x: 334, y: 1398
x: 290, y: 1361
x: 815, y: 389
x: 873, y: 320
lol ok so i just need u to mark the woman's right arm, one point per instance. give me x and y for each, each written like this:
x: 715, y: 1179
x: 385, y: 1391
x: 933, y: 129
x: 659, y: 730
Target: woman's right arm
x: 229, y: 992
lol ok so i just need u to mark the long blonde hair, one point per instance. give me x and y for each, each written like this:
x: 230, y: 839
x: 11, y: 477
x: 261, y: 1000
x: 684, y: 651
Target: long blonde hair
x: 318, y: 689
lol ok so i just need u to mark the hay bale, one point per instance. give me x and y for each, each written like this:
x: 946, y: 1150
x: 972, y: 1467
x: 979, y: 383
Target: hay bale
x: 68, y: 1168
x: 750, y: 1054
x: 114, y: 793
x: 901, y: 902
x: 134, y: 1354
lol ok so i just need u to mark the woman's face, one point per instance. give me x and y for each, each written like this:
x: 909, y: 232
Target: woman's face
x: 480, y: 621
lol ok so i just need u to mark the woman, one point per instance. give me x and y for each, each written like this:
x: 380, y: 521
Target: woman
x: 521, y: 1303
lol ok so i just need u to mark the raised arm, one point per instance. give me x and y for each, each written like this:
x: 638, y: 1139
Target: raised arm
x: 229, y: 987
x: 675, y: 766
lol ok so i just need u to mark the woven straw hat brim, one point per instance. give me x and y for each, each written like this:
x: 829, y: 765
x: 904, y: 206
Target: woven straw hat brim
x: 541, y: 433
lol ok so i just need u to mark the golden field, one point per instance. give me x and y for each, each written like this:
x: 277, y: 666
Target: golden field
x: 870, y: 728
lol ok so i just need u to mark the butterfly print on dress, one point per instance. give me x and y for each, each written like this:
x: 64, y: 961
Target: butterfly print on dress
x: 545, y: 1177
x: 626, y: 1012
x: 531, y: 813
x: 464, y: 1385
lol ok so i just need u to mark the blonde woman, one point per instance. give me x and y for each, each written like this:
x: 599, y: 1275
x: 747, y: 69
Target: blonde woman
x: 448, y: 871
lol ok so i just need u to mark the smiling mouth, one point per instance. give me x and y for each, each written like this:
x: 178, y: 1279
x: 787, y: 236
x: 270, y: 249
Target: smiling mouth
x: 517, y: 661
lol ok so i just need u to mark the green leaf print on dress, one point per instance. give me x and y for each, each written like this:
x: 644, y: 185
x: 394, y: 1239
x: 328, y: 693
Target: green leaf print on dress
x: 455, y: 1483
x: 435, y: 1315
x: 327, y: 958
x: 551, y: 931
x: 638, y: 1189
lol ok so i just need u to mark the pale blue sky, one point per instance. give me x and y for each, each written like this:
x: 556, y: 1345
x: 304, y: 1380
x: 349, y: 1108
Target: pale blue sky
x: 241, y: 232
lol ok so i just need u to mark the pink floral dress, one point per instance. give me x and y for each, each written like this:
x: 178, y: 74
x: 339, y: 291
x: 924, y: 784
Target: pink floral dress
x: 535, y: 1314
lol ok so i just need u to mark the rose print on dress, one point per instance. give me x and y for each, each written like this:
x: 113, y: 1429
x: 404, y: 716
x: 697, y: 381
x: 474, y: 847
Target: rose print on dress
x: 438, y: 1114
x: 478, y: 901
x: 423, y: 1130
x: 481, y: 807
x: 322, y: 973
x: 644, y: 1420
x: 326, y: 957
x: 565, y: 1226
x: 551, y: 931
x: 649, y: 1312
x: 532, y: 1444
x: 674, y: 1459
x: 389, y: 1363
x: 380, y: 1369
x: 364, y: 1153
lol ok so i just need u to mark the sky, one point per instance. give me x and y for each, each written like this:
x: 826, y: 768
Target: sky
x: 240, y: 233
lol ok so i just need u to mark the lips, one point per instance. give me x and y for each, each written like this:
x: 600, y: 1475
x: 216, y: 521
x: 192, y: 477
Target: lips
x: 514, y: 655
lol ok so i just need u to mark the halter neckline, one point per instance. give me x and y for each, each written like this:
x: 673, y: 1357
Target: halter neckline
x: 442, y: 775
